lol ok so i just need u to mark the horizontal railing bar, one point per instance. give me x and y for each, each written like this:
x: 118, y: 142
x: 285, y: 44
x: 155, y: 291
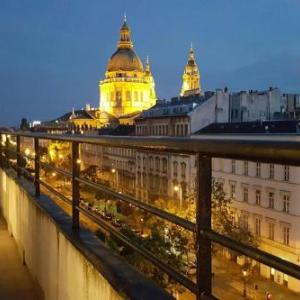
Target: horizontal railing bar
x: 60, y: 171
x: 146, y: 207
x: 275, y: 149
x: 55, y: 192
x: 257, y: 254
x: 142, y: 251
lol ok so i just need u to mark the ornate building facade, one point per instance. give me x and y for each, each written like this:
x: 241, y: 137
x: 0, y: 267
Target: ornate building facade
x: 191, y: 77
x: 128, y: 86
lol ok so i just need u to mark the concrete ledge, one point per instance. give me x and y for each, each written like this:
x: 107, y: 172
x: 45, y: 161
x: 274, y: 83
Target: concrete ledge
x: 66, y: 264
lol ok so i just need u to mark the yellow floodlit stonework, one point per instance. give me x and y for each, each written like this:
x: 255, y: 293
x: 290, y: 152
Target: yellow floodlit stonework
x: 128, y: 87
x: 191, y: 77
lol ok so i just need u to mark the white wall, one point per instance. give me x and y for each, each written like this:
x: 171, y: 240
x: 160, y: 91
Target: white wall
x: 60, y: 269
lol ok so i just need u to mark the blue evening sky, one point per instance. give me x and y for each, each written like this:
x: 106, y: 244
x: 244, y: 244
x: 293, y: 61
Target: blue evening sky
x: 54, y: 52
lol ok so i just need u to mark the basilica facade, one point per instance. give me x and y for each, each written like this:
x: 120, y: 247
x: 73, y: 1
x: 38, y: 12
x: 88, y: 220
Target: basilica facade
x: 128, y: 86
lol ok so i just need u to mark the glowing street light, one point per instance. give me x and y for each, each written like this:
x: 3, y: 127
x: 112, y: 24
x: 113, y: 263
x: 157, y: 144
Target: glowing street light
x: 27, y: 151
x: 176, y: 188
x: 53, y: 174
x: 113, y: 170
x: 78, y: 161
x: 244, y: 272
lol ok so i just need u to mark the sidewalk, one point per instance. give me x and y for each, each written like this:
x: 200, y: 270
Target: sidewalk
x: 228, y: 284
x: 15, y: 280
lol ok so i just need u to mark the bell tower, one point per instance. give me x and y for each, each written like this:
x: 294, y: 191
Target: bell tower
x: 191, y: 76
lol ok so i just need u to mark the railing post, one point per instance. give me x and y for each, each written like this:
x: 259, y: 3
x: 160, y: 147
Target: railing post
x: 7, y: 152
x: 203, y: 221
x: 1, y: 151
x: 75, y: 185
x: 37, y: 167
x: 18, y: 156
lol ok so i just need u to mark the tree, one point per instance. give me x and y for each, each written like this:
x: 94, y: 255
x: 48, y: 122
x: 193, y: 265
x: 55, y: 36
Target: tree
x: 223, y: 220
x: 24, y: 125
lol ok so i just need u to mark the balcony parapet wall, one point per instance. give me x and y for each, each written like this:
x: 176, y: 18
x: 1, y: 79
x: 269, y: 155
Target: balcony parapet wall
x: 67, y: 264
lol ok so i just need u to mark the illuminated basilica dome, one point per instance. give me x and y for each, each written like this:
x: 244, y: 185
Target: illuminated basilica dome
x: 128, y: 87
x: 125, y: 60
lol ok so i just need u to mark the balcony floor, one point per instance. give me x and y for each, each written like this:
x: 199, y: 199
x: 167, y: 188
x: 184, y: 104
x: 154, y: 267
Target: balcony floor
x: 15, y: 280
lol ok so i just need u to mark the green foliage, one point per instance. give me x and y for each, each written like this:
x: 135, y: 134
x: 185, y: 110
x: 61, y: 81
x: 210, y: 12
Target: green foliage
x: 223, y: 220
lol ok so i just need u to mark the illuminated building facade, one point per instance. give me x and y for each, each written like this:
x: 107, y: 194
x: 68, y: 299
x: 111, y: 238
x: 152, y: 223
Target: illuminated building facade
x: 128, y: 87
x: 191, y: 77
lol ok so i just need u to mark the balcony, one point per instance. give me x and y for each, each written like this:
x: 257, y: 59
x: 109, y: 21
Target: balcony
x: 184, y: 262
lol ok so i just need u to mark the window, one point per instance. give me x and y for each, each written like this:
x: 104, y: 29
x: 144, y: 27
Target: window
x: 186, y: 129
x: 271, y: 200
x: 165, y: 165
x: 232, y: 190
x: 245, y: 194
x: 175, y: 167
x: 257, y: 197
x: 151, y: 163
x: 271, y: 231
x: 233, y: 166
x: 246, y: 168
x: 128, y: 96
x: 244, y: 221
x: 257, y: 226
x: 271, y: 171
x: 286, y: 173
x: 183, y: 170
x: 286, y: 235
x: 157, y: 164
x: 258, y: 169
x: 286, y: 203
x: 118, y: 98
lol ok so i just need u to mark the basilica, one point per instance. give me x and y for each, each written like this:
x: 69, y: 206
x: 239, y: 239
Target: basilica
x: 127, y: 89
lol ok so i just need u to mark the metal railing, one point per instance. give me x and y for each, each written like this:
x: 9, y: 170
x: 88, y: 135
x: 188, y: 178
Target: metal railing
x: 272, y: 150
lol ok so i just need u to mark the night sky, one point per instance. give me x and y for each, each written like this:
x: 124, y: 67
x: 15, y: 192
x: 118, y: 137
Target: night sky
x: 54, y: 52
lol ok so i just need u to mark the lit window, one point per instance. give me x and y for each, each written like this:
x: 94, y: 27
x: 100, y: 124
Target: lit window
x: 244, y: 221
x: 286, y: 203
x: 271, y: 231
x: 286, y: 235
x: 257, y: 226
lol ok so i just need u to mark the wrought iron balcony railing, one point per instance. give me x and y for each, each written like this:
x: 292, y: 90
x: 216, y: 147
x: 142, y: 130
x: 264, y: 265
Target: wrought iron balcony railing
x: 281, y: 150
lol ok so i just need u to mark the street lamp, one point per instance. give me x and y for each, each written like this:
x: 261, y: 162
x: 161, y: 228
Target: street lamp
x: 244, y: 272
x: 142, y: 226
x: 27, y: 151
